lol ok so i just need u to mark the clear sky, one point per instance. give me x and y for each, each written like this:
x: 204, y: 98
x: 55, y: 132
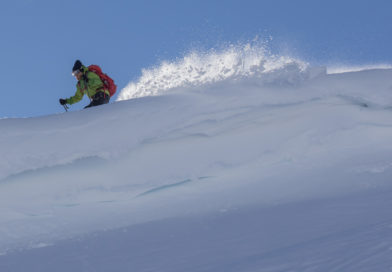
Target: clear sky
x: 41, y: 39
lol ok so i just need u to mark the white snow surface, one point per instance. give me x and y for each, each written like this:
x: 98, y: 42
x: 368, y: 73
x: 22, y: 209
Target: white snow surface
x: 286, y: 168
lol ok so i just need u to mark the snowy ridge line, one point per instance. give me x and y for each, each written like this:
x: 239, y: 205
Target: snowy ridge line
x: 204, y: 68
x: 232, y: 64
x: 340, y: 69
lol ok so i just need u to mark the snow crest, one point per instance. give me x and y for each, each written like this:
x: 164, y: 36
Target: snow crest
x: 339, y: 69
x: 203, y: 68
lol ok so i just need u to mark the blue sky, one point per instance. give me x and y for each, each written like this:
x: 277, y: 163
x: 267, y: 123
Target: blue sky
x: 40, y: 39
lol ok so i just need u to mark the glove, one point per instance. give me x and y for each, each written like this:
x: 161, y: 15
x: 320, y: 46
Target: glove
x: 63, y: 101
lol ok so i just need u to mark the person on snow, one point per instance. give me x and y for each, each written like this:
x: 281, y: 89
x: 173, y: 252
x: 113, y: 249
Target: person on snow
x: 88, y: 83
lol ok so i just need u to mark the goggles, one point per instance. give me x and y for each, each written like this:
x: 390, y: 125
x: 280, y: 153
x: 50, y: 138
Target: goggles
x: 75, y: 73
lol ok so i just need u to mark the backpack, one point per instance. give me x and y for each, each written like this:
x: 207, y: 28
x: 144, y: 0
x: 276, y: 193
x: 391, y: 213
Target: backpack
x: 107, y: 81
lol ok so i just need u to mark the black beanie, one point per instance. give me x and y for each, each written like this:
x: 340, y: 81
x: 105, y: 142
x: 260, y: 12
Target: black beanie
x: 77, y: 65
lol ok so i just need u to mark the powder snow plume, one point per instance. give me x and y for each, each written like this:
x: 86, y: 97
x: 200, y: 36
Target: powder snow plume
x: 197, y: 68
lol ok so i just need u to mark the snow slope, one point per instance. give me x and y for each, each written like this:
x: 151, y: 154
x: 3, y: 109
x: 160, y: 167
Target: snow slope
x: 255, y: 164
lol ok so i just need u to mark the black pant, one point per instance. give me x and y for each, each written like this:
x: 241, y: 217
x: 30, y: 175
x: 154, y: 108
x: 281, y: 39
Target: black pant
x: 99, y: 98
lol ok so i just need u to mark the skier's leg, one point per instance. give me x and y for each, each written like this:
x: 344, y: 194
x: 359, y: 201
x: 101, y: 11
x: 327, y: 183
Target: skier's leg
x: 99, y: 99
x: 89, y: 105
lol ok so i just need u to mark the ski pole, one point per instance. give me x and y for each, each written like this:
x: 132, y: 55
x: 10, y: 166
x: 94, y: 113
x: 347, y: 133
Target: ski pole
x: 66, y: 107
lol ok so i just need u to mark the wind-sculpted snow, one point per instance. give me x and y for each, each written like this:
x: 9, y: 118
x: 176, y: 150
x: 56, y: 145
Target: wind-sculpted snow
x: 261, y: 168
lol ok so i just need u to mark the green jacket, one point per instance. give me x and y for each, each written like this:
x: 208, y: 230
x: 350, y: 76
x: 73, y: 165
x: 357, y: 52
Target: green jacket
x: 90, y: 84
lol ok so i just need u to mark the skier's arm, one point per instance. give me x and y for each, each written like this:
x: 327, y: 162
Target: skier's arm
x: 76, y: 98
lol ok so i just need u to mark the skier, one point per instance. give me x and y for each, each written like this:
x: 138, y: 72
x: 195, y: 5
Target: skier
x: 89, y: 83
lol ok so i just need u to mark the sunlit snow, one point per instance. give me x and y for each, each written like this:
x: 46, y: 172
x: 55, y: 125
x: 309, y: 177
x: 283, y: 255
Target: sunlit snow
x: 227, y: 161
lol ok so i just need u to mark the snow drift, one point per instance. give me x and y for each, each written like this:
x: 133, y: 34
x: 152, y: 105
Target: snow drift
x: 261, y: 157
